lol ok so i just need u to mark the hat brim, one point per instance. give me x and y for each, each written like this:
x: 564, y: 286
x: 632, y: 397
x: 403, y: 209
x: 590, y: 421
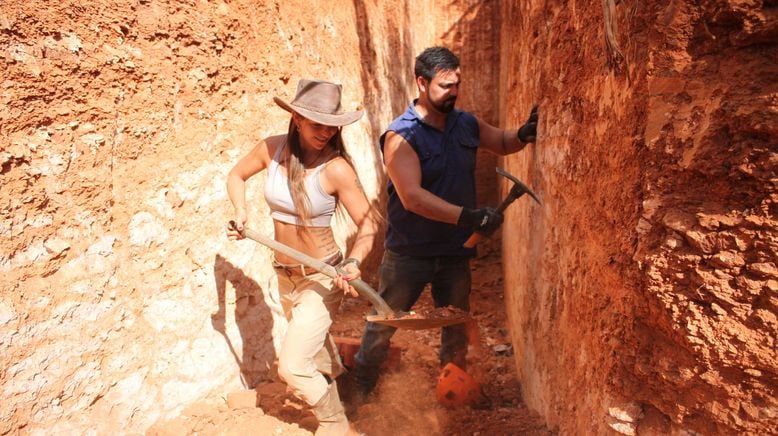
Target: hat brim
x: 337, y: 120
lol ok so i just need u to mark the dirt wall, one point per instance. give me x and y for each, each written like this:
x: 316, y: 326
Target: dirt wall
x: 642, y: 294
x: 643, y: 297
x: 122, y: 300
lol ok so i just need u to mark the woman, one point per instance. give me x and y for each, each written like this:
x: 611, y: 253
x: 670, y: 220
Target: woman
x: 309, y: 173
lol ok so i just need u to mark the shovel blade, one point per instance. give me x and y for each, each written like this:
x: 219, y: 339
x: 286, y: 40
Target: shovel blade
x: 416, y: 322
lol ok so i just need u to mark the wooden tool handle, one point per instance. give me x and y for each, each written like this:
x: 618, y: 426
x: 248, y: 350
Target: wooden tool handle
x: 473, y: 240
x: 476, y: 237
x: 330, y: 271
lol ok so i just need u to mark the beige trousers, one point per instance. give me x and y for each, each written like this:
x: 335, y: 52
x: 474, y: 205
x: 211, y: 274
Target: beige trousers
x: 308, y: 352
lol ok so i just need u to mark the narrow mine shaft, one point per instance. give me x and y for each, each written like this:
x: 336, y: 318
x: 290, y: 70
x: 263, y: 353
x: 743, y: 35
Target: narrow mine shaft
x: 639, y: 296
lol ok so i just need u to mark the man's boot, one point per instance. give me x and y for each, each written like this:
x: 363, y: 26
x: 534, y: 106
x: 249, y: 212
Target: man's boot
x: 329, y: 411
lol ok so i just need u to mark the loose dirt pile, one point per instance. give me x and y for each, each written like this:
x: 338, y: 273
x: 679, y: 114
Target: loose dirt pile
x: 404, y: 401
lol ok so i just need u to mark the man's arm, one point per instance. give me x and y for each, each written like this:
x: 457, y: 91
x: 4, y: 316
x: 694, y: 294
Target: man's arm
x: 404, y: 169
x: 506, y: 141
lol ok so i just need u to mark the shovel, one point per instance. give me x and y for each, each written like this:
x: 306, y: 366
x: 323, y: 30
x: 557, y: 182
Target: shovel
x: 441, y: 317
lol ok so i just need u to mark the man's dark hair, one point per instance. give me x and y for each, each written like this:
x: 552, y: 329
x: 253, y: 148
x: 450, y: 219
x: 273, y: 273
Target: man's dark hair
x: 435, y: 59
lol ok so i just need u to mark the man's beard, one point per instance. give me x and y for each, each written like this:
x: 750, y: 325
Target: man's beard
x: 446, y: 106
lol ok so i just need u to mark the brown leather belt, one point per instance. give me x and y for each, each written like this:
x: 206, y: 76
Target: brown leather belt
x: 301, y: 270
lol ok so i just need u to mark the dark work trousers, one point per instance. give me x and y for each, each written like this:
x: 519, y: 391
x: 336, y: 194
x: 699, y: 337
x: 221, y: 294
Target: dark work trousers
x: 402, y: 280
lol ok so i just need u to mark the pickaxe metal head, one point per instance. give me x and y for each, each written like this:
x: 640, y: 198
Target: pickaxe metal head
x: 516, y: 191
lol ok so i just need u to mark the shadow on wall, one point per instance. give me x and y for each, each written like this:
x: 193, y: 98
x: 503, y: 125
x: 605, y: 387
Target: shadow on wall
x: 398, y: 79
x: 474, y: 35
x: 253, y: 319
x: 384, y: 90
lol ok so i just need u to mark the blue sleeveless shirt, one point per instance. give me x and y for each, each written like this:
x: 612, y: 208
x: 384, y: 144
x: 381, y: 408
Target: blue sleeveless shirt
x: 447, y: 160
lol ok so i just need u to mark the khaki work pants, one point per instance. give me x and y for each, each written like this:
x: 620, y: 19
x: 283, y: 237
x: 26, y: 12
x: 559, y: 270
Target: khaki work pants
x: 308, y: 352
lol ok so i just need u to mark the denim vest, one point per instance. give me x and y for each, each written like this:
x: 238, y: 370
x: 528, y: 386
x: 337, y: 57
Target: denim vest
x: 447, y: 160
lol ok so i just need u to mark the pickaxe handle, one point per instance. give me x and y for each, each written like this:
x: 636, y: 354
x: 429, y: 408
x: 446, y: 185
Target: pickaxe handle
x: 476, y: 237
x: 516, y: 191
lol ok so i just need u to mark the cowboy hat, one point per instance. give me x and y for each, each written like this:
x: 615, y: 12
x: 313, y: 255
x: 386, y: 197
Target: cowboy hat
x: 319, y: 101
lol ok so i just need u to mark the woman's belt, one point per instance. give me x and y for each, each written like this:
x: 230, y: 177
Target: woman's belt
x: 301, y: 270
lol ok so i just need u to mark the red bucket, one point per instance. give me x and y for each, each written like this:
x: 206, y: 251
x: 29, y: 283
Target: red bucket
x: 456, y: 387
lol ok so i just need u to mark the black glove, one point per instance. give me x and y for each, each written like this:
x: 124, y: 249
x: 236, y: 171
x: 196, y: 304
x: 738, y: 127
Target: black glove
x: 529, y: 130
x: 484, y: 221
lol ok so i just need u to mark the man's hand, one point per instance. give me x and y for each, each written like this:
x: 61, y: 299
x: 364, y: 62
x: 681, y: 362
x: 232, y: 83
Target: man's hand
x: 529, y: 130
x: 484, y: 221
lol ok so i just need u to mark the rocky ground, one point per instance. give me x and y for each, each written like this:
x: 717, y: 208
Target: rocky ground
x: 404, y: 402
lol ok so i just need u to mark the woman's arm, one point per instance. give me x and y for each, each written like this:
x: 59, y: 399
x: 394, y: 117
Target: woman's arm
x: 345, y: 183
x: 254, y: 162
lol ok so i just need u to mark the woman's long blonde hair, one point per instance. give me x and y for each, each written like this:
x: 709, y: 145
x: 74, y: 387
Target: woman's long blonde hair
x: 296, y: 168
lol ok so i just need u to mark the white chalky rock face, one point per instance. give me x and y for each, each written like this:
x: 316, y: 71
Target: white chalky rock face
x: 7, y: 313
x: 145, y: 230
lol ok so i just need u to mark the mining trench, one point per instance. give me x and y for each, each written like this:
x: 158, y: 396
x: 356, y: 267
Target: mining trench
x: 640, y: 297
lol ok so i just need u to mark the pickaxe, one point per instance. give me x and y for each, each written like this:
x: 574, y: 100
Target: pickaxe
x: 516, y: 191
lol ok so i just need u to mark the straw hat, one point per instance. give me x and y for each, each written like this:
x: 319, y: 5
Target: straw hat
x: 319, y: 101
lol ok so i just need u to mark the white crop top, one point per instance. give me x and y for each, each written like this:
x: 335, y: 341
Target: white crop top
x: 279, y: 199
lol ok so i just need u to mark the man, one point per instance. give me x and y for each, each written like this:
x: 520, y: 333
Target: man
x: 430, y: 155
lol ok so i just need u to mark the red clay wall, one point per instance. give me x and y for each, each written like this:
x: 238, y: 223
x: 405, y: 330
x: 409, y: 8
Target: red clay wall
x: 643, y: 293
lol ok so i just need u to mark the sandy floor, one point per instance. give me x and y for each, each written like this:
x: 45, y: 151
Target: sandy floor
x: 404, y: 402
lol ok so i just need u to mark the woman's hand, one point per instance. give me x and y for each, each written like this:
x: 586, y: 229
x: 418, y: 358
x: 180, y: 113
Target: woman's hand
x: 240, y: 222
x: 342, y: 280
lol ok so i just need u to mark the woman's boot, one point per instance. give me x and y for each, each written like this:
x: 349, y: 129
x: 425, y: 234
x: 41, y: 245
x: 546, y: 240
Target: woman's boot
x: 329, y: 411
